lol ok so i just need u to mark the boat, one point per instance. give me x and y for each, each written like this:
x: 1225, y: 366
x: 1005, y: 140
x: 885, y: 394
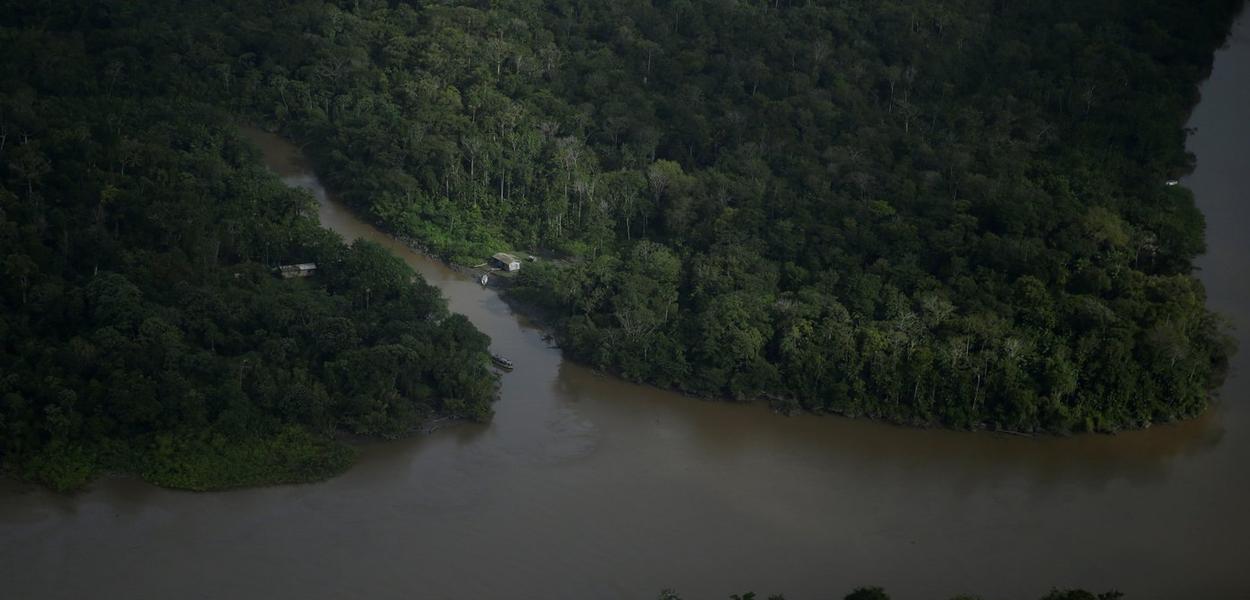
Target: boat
x: 501, y: 362
x: 485, y: 280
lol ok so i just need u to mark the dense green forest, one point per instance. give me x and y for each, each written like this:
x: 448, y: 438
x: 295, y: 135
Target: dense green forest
x: 141, y: 326
x: 933, y: 212
x: 929, y: 212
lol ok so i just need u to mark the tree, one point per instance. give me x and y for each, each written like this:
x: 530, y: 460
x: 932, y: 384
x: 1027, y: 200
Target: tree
x: 867, y: 593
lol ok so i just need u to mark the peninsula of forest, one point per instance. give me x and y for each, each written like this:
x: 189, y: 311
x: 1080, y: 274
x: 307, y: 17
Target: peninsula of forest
x: 940, y: 213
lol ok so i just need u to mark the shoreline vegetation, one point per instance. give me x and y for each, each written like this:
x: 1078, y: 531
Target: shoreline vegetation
x: 1028, y: 272
x: 946, y: 214
x: 143, y: 330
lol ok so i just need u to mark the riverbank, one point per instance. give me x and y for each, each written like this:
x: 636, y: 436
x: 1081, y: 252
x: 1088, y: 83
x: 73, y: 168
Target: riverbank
x: 171, y: 351
x: 548, y: 319
x: 584, y: 485
x: 199, y: 463
x: 413, y: 244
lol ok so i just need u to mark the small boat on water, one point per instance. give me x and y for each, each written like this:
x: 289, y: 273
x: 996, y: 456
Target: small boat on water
x: 501, y: 362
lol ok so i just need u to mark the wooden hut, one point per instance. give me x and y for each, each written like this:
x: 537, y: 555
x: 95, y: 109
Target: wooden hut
x: 506, y: 261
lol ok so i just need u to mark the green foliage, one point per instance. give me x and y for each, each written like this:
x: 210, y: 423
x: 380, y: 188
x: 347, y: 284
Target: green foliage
x: 868, y: 593
x: 932, y: 213
x: 208, y: 461
x: 60, y: 467
x: 141, y: 326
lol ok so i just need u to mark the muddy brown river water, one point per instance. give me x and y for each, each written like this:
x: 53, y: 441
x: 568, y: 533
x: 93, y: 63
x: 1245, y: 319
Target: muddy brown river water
x: 584, y: 486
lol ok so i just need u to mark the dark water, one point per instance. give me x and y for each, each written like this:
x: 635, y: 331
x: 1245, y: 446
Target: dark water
x: 587, y: 487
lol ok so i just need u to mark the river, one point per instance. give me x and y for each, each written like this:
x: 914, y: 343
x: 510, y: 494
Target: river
x: 584, y: 486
